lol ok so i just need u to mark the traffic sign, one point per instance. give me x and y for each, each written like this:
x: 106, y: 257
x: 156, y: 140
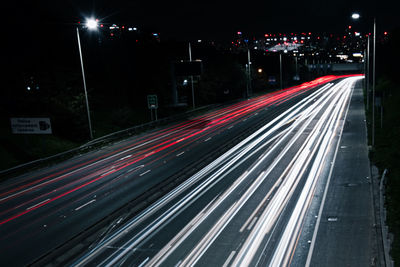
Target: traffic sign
x: 30, y: 126
x: 152, y: 101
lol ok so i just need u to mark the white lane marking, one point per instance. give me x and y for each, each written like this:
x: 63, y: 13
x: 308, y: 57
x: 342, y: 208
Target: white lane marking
x: 136, y: 168
x: 180, y: 154
x: 230, y: 127
x: 144, y: 262
x: 125, y: 157
x: 228, y: 260
x: 110, y: 171
x: 146, y: 172
x: 252, y: 223
x: 31, y: 207
x: 84, y: 205
x: 208, y: 139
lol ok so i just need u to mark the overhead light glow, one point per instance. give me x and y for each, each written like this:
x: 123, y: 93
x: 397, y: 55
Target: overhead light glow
x: 91, y: 24
x: 355, y: 16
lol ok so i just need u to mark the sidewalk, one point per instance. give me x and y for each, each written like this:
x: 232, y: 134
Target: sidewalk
x: 351, y: 238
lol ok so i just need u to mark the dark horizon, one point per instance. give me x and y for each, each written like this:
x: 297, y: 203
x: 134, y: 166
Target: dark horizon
x: 217, y: 21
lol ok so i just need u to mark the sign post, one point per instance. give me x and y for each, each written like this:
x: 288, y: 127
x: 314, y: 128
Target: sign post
x: 152, y: 103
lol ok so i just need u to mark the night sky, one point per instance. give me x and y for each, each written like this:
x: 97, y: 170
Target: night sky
x: 213, y: 20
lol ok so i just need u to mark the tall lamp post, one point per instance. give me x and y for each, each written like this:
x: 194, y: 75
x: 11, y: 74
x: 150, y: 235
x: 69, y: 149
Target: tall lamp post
x: 191, y: 77
x: 280, y: 70
x: 91, y: 24
x: 248, y: 87
x: 356, y: 16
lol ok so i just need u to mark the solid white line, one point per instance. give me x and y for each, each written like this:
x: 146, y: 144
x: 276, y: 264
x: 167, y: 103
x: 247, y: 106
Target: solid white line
x: 228, y: 260
x: 144, y: 262
x: 310, y: 252
x: 145, y: 172
x: 31, y: 207
x: 91, y: 201
x: 180, y: 154
x: 208, y: 139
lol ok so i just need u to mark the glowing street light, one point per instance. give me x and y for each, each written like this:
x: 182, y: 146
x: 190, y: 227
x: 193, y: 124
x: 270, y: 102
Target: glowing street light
x: 92, y: 24
x: 355, y: 16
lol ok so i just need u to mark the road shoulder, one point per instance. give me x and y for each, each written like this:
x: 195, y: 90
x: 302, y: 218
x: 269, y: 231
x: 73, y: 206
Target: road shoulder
x: 347, y: 233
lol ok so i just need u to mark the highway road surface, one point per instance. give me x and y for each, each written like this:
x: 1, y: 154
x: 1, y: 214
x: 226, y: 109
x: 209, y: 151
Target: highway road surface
x: 258, y: 171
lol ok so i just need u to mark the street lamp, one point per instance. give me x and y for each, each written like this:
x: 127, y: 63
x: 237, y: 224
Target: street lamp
x: 357, y: 16
x: 91, y: 24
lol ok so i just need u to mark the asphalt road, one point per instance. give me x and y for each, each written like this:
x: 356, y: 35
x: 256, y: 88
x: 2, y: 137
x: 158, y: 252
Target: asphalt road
x: 248, y: 206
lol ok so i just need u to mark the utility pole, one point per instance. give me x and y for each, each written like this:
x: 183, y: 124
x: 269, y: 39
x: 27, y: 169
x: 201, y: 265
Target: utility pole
x: 84, y: 85
x: 248, y: 74
x: 191, y: 77
x: 367, y: 72
x: 280, y: 70
x: 373, y: 86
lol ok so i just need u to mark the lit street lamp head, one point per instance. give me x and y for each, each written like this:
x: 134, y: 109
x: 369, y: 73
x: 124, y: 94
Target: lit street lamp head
x: 355, y: 16
x: 91, y: 24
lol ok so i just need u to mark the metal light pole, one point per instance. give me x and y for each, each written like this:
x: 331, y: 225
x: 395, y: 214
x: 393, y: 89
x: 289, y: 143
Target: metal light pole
x: 191, y: 77
x: 367, y: 72
x: 91, y: 24
x: 280, y: 70
x: 373, y: 86
x: 248, y: 74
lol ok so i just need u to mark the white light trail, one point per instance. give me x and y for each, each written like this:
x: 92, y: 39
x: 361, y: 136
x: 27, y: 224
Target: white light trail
x: 218, y: 168
x: 284, y: 131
